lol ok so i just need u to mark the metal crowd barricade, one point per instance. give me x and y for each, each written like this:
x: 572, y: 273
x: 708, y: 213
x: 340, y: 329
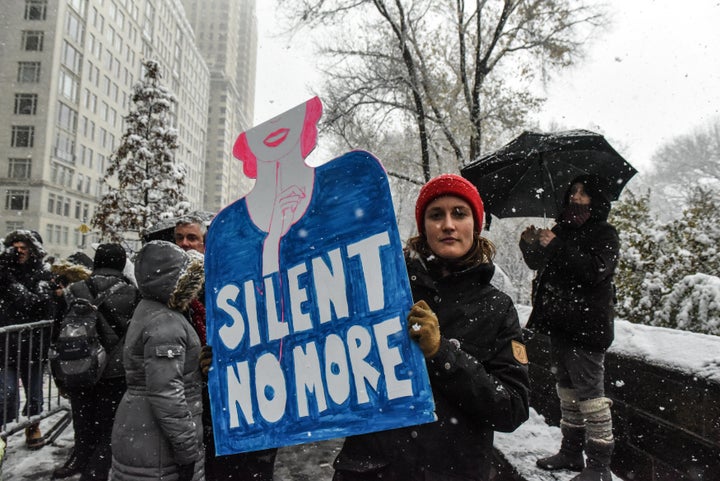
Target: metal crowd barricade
x: 53, y: 403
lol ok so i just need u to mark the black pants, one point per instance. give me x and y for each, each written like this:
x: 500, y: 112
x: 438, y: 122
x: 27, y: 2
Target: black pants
x: 254, y: 466
x: 577, y: 368
x: 93, y: 411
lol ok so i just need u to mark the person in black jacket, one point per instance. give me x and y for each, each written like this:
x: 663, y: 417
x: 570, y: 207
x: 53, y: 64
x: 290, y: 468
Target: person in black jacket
x: 26, y: 296
x: 93, y: 407
x: 573, y: 301
x: 472, y: 341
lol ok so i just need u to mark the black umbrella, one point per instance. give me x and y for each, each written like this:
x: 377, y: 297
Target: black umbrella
x: 529, y: 176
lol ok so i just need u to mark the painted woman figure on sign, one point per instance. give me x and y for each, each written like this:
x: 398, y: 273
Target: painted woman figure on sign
x: 305, y: 282
x: 273, y: 153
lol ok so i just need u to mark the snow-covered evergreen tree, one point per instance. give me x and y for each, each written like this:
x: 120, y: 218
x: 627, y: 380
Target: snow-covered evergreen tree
x: 669, y: 273
x: 640, y: 234
x: 693, y: 304
x: 692, y: 274
x: 144, y: 182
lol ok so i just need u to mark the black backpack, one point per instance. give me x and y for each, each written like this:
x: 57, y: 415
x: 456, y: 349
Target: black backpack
x: 77, y: 357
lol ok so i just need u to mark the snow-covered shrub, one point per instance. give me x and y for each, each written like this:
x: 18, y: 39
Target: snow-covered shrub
x: 692, y: 305
x: 669, y: 273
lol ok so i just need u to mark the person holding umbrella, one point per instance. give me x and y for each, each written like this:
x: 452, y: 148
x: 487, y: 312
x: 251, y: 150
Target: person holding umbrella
x: 573, y: 300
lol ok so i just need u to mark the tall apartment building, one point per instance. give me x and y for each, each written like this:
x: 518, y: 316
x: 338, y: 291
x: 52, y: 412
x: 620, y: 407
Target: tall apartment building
x: 226, y: 33
x: 67, y: 68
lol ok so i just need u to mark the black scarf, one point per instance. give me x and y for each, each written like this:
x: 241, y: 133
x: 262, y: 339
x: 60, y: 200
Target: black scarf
x: 575, y: 214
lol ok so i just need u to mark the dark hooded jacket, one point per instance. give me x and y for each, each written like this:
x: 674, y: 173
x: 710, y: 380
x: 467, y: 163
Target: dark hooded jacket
x: 479, y: 386
x: 116, y: 311
x: 573, y: 291
x: 25, y: 296
x: 158, y: 424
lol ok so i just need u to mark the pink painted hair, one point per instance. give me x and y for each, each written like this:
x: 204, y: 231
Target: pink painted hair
x: 308, y: 138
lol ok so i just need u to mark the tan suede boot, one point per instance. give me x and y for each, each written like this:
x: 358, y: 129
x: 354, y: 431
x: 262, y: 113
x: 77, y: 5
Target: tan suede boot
x: 33, y: 437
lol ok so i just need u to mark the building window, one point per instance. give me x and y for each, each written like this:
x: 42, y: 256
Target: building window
x: 23, y: 136
x: 28, y: 72
x: 60, y: 174
x: 32, y: 40
x: 71, y: 58
x: 17, y: 199
x: 74, y: 28
x: 35, y: 9
x: 67, y: 118
x: 19, y: 168
x: 13, y: 225
x: 65, y: 147
x: 57, y: 234
x: 25, y: 104
x: 79, y: 6
x: 68, y: 85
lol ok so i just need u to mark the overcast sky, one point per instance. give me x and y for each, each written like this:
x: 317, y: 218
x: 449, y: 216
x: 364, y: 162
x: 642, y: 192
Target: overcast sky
x: 653, y: 75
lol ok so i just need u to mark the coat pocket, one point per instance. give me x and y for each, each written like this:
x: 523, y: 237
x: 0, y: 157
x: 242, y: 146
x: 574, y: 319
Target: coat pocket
x: 169, y: 350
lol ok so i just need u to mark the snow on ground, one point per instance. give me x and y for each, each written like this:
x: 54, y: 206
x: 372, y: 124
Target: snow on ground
x: 307, y: 462
x: 687, y: 352
x: 533, y: 440
x: 22, y: 464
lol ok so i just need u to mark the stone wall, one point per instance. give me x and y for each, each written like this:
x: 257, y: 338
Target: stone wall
x: 666, y: 422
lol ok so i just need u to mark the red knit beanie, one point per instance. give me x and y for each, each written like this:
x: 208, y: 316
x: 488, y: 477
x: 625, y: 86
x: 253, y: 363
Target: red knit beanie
x: 449, y: 184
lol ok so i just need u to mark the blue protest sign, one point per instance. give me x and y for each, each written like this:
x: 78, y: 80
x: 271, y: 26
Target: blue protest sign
x: 307, y: 296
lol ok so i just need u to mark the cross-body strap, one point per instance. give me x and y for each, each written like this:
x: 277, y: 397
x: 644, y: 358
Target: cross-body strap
x: 98, y: 301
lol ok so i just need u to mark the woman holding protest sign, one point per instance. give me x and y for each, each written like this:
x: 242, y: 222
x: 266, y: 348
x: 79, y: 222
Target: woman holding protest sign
x: 472, y: 342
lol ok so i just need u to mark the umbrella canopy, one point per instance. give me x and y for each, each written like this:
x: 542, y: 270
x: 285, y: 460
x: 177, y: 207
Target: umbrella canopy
x: 529, y: 176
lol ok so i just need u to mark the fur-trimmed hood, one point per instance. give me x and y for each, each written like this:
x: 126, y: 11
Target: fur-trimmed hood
x: 30, y: 238
x: 167, y: 274
x: 189, y: 284
x: 68, y: 273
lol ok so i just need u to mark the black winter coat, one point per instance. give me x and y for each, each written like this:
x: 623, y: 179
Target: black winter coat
x: 25, y: 297
x: 116, y: 312
x: 478, y: 384
x: 573, y: 291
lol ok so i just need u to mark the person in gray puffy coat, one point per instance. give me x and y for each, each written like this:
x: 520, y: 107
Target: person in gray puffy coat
x: 157, y: 432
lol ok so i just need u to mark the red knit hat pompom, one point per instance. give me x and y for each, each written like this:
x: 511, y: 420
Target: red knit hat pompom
x: 449, y: 184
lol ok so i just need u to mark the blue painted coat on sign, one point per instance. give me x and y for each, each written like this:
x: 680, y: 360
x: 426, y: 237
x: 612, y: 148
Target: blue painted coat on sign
x: 318, y: 350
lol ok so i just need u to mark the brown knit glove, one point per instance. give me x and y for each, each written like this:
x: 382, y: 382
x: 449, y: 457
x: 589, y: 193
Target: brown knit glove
x: 424, y: 328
